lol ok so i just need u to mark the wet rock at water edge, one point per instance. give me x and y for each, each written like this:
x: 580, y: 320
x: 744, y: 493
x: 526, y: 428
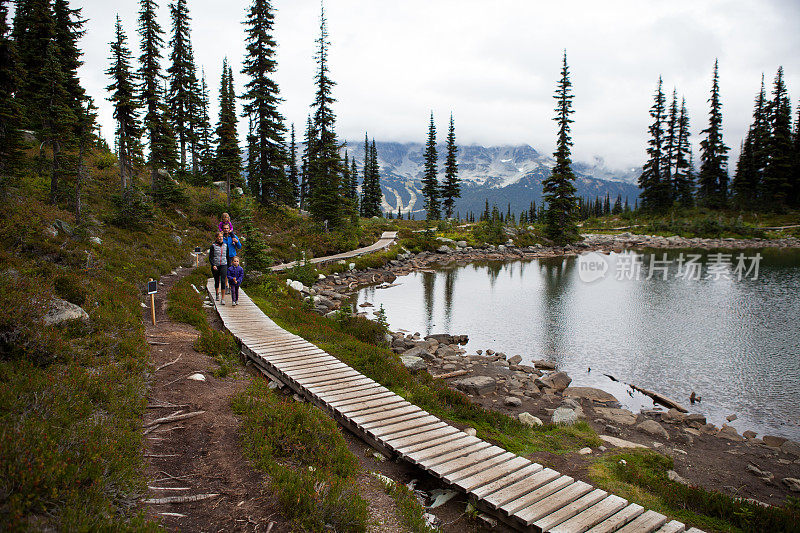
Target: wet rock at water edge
x: 591, y: 393
x: 729, y: 433
x: 477, y: 385
x: 791, y: 447
x: 558, y: 381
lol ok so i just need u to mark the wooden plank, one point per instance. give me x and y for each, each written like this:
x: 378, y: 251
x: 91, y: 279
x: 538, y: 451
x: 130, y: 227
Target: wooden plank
x: 371, y: 406
x: 646, y: 522
x: 552, y: 503
x: 326, y: 368
x: 479, y: 467
x: 519, y: 489
x: 618, y: 520
x: 322, y: 389
x: 349, y: 401
x: 418, y: 434
x: 568, y: 511
x: 273, y: 352
x: 305, y: 362
x: 672, y: 527
x: 486, y: 477
x: 292, y: 356
x: 400, y: 427
x: 464, y: 461
x: 354, y: 393
x: 592, y: 516
x: 431, y: 453
x: 506, y: 480
x: 347, y: 387
x: 339, y: 382
x: 693, y: 530
x: 534, y: 496
x: 456, y: 435
x: 300, y: 359
x: 343, y: 374
x: 433, y: 456
x: 381, y: 415
x: 402, y: 417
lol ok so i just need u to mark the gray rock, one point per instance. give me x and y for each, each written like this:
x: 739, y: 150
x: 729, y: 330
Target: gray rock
x: 324, y: 301
x: 62, y: 311
x: 677, y: 478
x: 95, y: 240
x: 444, y: 249
x: 512, y: 401
x: 515, y: 359
x: 461, y: 244
x: 544, y: 365
x: 695, y: 420
x: 419, y: 351
x: 585, y: 451
x: 564, y: 416
x: 673, y: 416
x: 792, y: 482
x: 731, y: 418
x: 791, y: 447
x: 729, y: 432
x: 773, y: 441
x: 590, y: 393
x: 477, y: 385
x: 557, y: 381
x: 470, y: 431
x: 749, y: 434
x: 652, y: 427
x: 529, y: 420
x: 415, y: 364
x: 445, y: 351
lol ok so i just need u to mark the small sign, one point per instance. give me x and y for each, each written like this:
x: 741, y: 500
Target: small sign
x: 197, y: 250
x: 152, y: 287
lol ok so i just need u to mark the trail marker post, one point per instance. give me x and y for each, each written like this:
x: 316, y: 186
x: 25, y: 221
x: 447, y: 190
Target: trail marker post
x: 197, y: 256
x: 152, y: 289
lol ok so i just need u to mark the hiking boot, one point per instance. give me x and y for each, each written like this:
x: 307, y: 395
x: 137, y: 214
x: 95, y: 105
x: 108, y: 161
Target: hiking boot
x: 222, y: 302
x: 217, y: 298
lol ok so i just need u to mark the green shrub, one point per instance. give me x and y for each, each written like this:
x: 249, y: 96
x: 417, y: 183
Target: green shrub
x: 133, y: 209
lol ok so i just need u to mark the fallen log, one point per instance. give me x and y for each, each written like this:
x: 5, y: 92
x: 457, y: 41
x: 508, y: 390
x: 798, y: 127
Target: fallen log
x: 180, y: 499
x: 660, y: 398
x: 173, y: 418
x: 165, y: 365
x: 451, y: 374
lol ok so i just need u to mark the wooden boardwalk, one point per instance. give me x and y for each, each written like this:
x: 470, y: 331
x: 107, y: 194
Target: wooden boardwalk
x: 523, y: 494
x: 387, y: 238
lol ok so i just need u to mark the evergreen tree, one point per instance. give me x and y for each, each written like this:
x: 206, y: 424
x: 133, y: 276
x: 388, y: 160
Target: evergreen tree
x: 294, y: 177
x: 671, y: 149
x: 353, y: 192
x: 366, y: 177
x: 777, y: 182
x: 85, y: 132
x: 747, y: 182
x: 59, y: 122
x: 683, y: 175
x: 228, y: 160
x: 617, y: 206
x: 34, y: 31
x: 204, y: 151
x: 713, y: 178
x: 559, y: 191
x: 654, y: 178
x: 10, y: 118
x: 323, y: 162
x: 262, y: 97
x: 305, y: 182
x: 68, y: 31
x: 796, y: 162
x: 182, y: 80
x: 451, y: 189
x: 371, y: 189
x: 150, y: 79
x: 126, y: 107
x: 430, y: 185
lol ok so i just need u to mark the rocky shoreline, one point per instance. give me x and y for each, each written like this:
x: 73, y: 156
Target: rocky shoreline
x: 765, y: 469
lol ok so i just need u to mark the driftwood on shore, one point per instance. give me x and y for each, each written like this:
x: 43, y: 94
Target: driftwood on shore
x: 660, y: 398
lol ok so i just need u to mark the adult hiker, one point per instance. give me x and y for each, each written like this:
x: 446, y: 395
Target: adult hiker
x: 232, y: 241
x: 218, y: 257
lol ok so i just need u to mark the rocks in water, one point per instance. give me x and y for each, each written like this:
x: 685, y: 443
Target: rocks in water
x: 529, y: 420
x: 512, y: 401
x: 564, y: 416
x: 695, y: 420
x: 651, y: 427
x: 515, y: 359
x: 558, y: 381
x: 773, y: 441
x: 590, y: 393
x: 673, y: 416
x: 444, y: 338
x: 792, y: 483
x: 731, y: 418
x: 61, y: 311
x: 729, y: 432
x: 540, y: 364
x: 413, y: 363
x: 477, y: 385
x: 749, y: 435
x: 621, y: 417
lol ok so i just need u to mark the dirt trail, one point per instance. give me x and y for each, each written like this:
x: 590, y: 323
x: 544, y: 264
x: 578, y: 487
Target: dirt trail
x: 202, y: 454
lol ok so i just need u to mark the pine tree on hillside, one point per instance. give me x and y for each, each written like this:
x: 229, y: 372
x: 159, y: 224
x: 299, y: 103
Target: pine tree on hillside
x: 305, y: 181
x: 324, y: 165
x: 451, y: 189
x: 262, y: 99
x: 34, y: 30
x: 366, y: 177
x: 683, y: 175
x: 126, y: 107
x: 68, y: 30
x: 182, y: 79
x: 228, y: 156
x: 671, y: 146
x: 150, y: 79
x: 558, y: 188
x: 747, y: 182
x: 796, y: 162
x: 294, y: 176
x: 713, y: 178
x: 204, y: 151
x: 10, y: 138
x: 430, y: 185
x: 777, y: 181
x: 85, y: 132
x: 375, y: 195
x: 654, y: 178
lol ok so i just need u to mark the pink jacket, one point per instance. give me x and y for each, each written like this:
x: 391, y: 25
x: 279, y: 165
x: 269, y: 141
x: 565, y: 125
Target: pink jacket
x: 220, y: 225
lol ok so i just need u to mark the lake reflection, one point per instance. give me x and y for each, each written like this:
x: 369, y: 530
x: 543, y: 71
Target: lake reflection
x: 736, y: 343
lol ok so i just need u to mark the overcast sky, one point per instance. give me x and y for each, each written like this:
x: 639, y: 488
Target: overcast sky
x: 494, y: 64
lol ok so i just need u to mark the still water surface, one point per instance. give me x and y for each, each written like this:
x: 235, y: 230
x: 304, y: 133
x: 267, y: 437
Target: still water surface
x: 736, y: 343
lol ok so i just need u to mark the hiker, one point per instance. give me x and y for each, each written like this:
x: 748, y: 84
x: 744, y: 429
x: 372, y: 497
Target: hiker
x: 231, y: 240
x: 218, y: 257
x: 226, y: 219
x: 235, y: 277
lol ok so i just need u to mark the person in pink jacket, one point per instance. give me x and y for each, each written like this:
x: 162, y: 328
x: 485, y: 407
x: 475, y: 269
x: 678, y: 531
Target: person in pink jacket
x: 226, y: 219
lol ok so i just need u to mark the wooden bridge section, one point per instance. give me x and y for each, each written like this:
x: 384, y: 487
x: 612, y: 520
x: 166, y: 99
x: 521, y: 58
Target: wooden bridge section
x: 386, y: 239
x: 523, y: 494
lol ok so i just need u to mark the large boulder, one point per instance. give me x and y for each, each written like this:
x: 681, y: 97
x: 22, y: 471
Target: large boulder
x: 529, y: 420
x: 590, y: 393
x: 476, y: 385
x: 617, y: 416
x: 557, y: 381
x: 565, y: 416
x: 413, y: 363
x: 791, y: 447
x: 61, y: 311
x: 651, y: 427
x: 419, y: 351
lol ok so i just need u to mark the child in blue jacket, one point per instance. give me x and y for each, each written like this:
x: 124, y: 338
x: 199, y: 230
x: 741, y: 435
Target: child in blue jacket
x: 235, y: 277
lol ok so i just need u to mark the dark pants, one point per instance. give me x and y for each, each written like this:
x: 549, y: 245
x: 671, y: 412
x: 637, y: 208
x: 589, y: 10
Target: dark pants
x: 234, y: 292
x: 220, y: 276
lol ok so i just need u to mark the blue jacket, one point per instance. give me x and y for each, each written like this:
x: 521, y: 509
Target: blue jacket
x: 233, y: 247
x: 235, y: 275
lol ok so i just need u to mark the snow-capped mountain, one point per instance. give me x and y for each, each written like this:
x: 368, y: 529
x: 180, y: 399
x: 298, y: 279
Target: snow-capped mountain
x: 500, y: 174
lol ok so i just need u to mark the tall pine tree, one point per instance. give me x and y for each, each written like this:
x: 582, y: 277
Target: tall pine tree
x: 747, y: 182
x: 430, y: 184
x: 558, y: 188
x: 10, y: 138
x: 228, y: 157
x: 294, y: 176
x: 126, y: 108
x: 713, y: 177
x: 262, y: 98
x: 683, y: 174
x: 324, y: 165
x: 68, y: 30
x: 654, y: 180
x: 451, y: 188
x: 796, y: 162
x: 777, y: 182
x: 182, y: 80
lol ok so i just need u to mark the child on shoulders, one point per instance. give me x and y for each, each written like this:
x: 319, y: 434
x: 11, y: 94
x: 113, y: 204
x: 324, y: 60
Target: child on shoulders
x: 226, y: 219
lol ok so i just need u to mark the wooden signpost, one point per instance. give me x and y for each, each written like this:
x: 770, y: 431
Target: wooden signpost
x: 152, y: 289
x: 197, y: 256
